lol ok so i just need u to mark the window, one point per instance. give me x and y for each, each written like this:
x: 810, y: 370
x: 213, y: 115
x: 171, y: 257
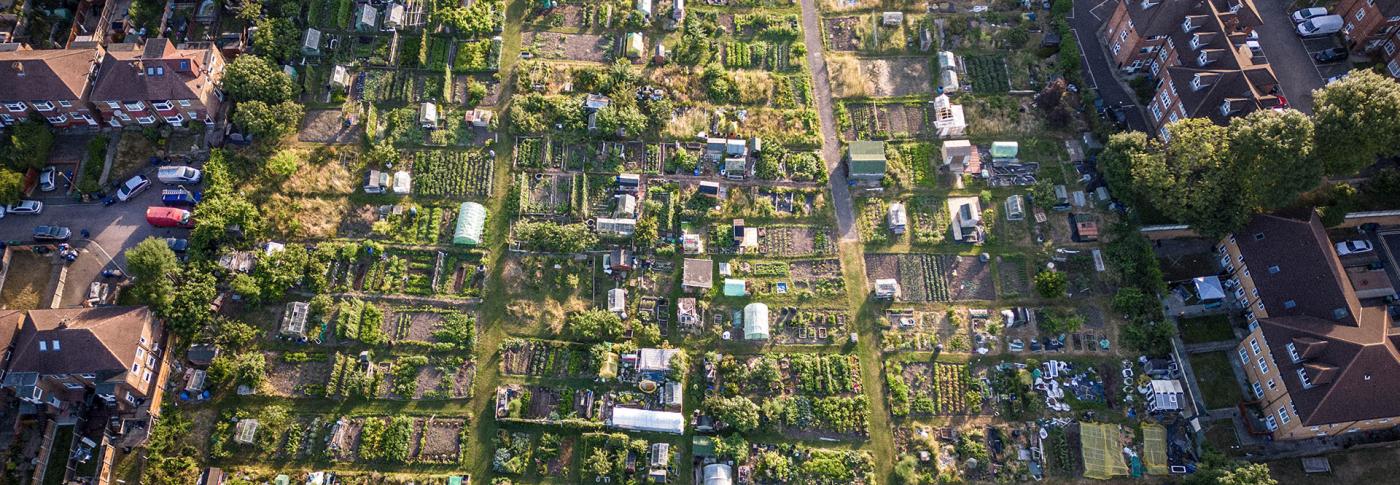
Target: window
x: 1117, y: 46
x: 1255, y: 291
x: 1258, y: 389
x: 1254, y: 346
x: 1289, y: 304
x: 146, y: 376
x: 146, y: 120
x: 1270, y: 422
x: 1250, y: 316
x: 1244, y: 357
x: 151, y: 361
x: 42, y: 105
x: 15, y: 107
x: 143, y: 340
x: 43, y: 346
x: 72, y: 385
x: 65, y: 104
x: 174, y: 120
x: 1272, y: 385
x: 1360, y: 13
x: 140, y: 352
x: 1283, y: 415
x: 1293, y: 352
x: 58, y: 119
x: 135, y: 367
x: 163, y: 105
x: 114, y: 105
x: 1186, y: 25
x: 1274, y: 269
x: 185, y: 103
x: 88, y: 376
x: 137, y: 106
x: 131, y: 398
x: 1260, y: 305
x: 1263, y: 366
x: 1339, y: 313
x: 55, y: 345
x: 1393, y: 67
x: 1240, y: 258
x: 1389, y: 47
x: 1172, y: 118
x: 1348, y: 28
x: 1303, y: 376
x: 122, y: 116
x: 1239, y: 292
x: 1123, y: 35
x: 1156, y: 112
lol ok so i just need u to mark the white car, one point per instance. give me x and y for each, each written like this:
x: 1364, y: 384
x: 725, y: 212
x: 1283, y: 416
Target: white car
x: 1302, y: 15
x: 1355, y: 246
x: 132, y: 187
x: 48, y: 179
x: 31, y: 207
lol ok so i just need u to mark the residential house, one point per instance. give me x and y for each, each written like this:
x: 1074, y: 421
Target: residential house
x: 1369, y: 23
x: 1390, y: 55
x: 138, y: 85
x: 1201, y: 54
x: 1319, y: 361
x: 865, y: 161
x: 53, y: 83
x: 62, y: 358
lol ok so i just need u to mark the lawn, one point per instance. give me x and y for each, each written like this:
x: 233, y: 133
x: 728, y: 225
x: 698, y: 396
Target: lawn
x: 1210, y: 328
x: 27, y: 280
x: 1355, y: 466
x: 1215, y: 378
x: 58, y: 455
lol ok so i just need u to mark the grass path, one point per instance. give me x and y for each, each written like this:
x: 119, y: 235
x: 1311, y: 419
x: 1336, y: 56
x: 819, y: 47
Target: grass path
x: 867, y: 322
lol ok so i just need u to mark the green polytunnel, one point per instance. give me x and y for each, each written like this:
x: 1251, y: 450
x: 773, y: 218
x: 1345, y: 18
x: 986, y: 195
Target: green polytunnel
x: 471, y: 221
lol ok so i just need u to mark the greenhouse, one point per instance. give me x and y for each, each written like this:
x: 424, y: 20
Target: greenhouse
x: 644, y: 420
x: 471, y: 221
x: 756, y: 321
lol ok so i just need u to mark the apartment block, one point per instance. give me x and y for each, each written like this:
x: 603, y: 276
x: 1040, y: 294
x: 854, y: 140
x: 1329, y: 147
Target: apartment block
x: 1369, y: 23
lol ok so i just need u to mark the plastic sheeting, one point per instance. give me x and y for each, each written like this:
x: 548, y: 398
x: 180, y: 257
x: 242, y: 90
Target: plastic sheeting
x: 1103, y: 456
x: 471, y: 221
x: 1154, y: 449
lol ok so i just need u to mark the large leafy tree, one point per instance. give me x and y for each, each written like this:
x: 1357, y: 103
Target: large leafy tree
x: 153, y: 267
x: 268, y: 122
x: 11, y: 183
x: 1195, y: 180
x: 1275, y: 150
x: 188, y: 311
x: 277, y: 38
x: 254, y: 78
x: 737, y: 411
x: 1356, y: 121
x: 1116, y: 163
x: 280, y: 271
x: 27, y: 146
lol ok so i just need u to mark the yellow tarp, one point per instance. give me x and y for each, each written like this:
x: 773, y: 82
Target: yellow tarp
x: 1154, y: 449
x: 1103, y: 452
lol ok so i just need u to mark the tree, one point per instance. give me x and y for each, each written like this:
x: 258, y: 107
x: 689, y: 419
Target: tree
x: 221, y: 219
x: 246, y: 288
x: 235, y: 335
x: 28, y: 146
x: 623, y: 120
x: 774, y: 466
x: 152, y: 266
x: 594, y: 324
x: 1055, y: 102
x: 646, y: 232
x: 271, y: 122
x: 1051, y: 284
x: 768, y: 166
x: 718, y: 85
x: 734, y: 447
x: 476, y: 91
x: 254, y: 78
x: 277, y: 38
x: 1275, y: 149
x: 280, y: 271
x: 283, y: 165
x: 1356, y: 122
x: 906, y: 471
x: 1250, y: 474
x: 1195, y: 180
x: 1116, y: 163
x: 1058, y: 320
x: 243, y: 369
x: 737, y: 411
x: 599, y: 463
x: 247, y: 10
x: 11, y: 186
x: 1136, y: 305
x: 188, y: 311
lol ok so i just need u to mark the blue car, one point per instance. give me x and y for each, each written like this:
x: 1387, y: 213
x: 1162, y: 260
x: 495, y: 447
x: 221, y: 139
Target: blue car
x: 180, y: 197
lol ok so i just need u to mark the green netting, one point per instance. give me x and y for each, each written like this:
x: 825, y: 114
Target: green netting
x: 1154, y: 449
x: 1103, y: 455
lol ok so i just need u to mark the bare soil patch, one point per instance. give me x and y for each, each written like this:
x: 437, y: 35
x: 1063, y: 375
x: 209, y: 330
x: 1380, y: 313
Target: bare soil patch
x: 289, y: 379
x: 575, y: 47
x: 328, y: 126
x: 883, y: 77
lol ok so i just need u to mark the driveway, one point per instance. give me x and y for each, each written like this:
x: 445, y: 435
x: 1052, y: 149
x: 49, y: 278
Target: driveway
x: 831, y: 145
x: 1289, y: 55
x: 1087, y: 17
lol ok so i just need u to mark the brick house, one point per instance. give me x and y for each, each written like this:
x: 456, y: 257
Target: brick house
x: 1201, y: 54
x: 1369, y: 23
x: 158, y: 82
x: 1319, y: 362
x: 114, y: 354
x: 53, y: 83
x: 1391, y: 55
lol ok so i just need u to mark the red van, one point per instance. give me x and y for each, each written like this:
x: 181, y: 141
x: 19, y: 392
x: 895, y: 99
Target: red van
x: 168, y: 217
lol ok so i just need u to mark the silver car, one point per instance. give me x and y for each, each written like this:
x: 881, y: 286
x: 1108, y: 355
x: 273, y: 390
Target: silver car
x: 31, y: 207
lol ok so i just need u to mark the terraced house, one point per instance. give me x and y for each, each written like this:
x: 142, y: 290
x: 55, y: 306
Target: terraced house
x: 52, y: 83
x: 158, y: 82
x: 1322, y: 356
x: 1369, y: 24
x: 1202, y: 54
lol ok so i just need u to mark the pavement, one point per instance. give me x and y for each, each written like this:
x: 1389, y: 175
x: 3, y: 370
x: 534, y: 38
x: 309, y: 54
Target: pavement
x: 1289, y: 55
x: 831, y: 144
x: 1085, y: 20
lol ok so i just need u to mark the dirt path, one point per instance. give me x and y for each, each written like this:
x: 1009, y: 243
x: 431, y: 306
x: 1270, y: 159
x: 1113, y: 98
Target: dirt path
x: 831, y: 145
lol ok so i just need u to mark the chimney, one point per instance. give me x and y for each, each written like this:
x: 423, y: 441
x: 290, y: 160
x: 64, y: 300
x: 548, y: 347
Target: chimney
x: 140, y: 67
x: 19, y: 68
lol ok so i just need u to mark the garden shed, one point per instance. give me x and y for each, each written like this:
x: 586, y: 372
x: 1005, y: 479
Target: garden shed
x: 655, y: 360
x: 635, y: 47
x: 735, y: 287
x: 967, y: 218
x: 471, y: 221
x: 1015, y: 208
x: 886, y: 289
x: 403, y: 182
x: 340, y: 77
x: 393, y: 17
x: 948, y: 81
x: 947, y: 60
x: 617, y: 301
x: 897, y: 218
x: 687, y: 312
x: 366, y: 17
x: 948, y: 117
x: 617, y: 227
x: 1004, y: 152
x: 866, y: 160
x: 644, y: 6
x: 428, y: 116
x: 756, y: 321
x: 958, y: 155
x: 376, y: 181
x: 692, y: 243
x: 311, y: 42
x: 294, y: 319
x: 645, y: 420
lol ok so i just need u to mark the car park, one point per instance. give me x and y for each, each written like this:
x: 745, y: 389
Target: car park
x: 31, y: 207
x: 132, y: 187
x: 48, y: 179
x: 1355, y: 246
x: 1320, y: 26
x: 1302, y: 15
x: 1328, y: 56
x: 52, y: 233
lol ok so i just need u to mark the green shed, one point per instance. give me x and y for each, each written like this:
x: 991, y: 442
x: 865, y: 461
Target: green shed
x: 866, y: 160
x: 471, y: 221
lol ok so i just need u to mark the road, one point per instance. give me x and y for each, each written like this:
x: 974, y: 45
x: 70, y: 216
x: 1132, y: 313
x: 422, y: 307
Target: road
x: 1085, y: 21
x: 1289, y: 57
x: 831, y: 145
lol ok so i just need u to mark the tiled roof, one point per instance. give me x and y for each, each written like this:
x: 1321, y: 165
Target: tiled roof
x: 123, y: 75
x: 90, y: 340
x: 48, y: 74
x: 1308, y: 274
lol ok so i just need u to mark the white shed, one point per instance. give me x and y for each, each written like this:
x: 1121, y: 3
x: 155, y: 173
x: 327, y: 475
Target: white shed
x: 340, y: 77
x: 898, y: 219
x: 617, y: 301
x: 645, y: 420
x: 403, y: 182
x: 428, y: 116
x: 756, y: 321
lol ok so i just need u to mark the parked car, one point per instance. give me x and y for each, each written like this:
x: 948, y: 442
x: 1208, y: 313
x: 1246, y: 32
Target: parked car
x: 177, y: 244
x: 1302, y: 15
x: 31, y: 207
x: 1336, y: 78
x: 1320, y: 26
x: 1355, y: 246
x: 168, y: 217
x: 52, y: 233
x: 134, y: 185
x: 48, y: 179
x: 180, y: 197
x: 1328, y: 56
x: 179, y: 174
